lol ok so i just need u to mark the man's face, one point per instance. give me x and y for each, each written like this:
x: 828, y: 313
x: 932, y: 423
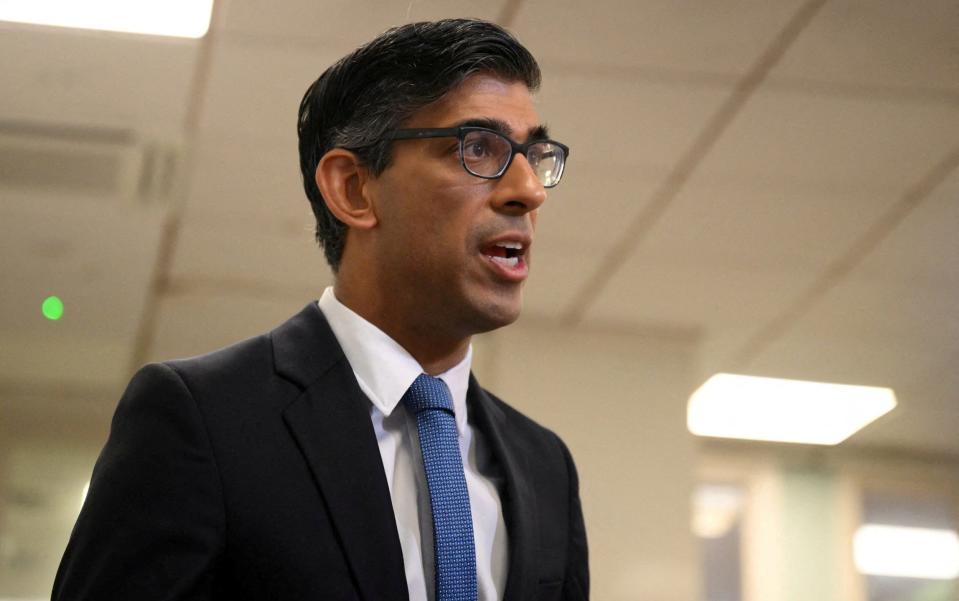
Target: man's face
x: 443, y: 235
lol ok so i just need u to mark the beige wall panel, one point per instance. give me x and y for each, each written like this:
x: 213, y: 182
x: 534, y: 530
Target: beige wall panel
x: 619, y: 402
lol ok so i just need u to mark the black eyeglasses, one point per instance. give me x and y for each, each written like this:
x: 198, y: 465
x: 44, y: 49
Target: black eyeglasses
x: 488, y: 154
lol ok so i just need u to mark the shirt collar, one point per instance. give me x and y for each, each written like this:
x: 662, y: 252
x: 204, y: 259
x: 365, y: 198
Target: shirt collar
x: 383, y: 368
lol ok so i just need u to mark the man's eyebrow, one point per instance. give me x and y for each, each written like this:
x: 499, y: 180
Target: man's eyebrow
x: 496, y: 125
x: 538, y: 132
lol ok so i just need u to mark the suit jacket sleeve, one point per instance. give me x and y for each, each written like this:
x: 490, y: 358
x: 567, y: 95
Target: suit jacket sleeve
x: 576, y: 582
x: 153, y: 522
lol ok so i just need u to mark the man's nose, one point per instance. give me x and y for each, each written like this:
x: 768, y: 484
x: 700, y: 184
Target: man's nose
x: 519, y: 190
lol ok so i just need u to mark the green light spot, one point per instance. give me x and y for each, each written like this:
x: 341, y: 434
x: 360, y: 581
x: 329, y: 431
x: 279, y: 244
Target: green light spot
x: 52, y: 308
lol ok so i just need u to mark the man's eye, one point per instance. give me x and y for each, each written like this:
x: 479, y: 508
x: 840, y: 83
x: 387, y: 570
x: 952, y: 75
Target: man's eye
x: 476, y: 150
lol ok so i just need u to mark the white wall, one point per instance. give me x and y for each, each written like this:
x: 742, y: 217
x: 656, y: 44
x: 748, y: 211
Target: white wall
x: 619, y: 402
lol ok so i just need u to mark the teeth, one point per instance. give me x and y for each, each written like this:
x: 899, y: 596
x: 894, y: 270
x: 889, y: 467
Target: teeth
x: 513, y: 245
x: 510, y: 262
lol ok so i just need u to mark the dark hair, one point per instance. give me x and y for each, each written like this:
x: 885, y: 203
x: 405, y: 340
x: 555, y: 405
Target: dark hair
x: 378, y: 86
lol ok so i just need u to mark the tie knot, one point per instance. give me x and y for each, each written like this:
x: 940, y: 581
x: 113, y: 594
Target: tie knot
x: 428, y: 392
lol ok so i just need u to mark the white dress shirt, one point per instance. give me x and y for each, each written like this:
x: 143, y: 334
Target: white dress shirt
x: 384, y: 371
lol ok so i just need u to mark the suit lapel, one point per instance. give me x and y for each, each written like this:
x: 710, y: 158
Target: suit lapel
x: 331, y: 425
x: 519, y: 511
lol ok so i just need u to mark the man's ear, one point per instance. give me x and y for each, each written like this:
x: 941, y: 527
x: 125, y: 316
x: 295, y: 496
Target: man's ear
x: 341, y: 178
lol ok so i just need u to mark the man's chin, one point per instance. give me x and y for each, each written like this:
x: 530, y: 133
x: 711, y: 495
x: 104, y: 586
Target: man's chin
x: 493, y: 316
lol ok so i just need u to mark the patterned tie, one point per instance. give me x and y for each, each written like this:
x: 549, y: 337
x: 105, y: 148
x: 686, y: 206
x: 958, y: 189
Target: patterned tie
x: 430, y: 401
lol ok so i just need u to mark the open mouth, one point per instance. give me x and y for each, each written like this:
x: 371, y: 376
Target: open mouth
x: 507, y: 254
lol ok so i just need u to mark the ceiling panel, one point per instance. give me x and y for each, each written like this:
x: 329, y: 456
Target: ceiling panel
x: 894, y: 319
x: 95, y: 79
x: 758, y: 225
x: 923, y: 250
x: 620, y: 153
x: 730, y: 254
x: 686, y: 35
x: 593, y: 205
x: 249, y: 256
x: 638, y: 125
x: 255, y: 179
x: 883, y: 43
x: 884, y: 303
x: 926, y: 418
x: 255, y: 87
x: 892, y: 322
x: 660, y: 289
x: 577, y: 228
x: 855, y: 145
x: 266, y: 54
x: 342, y: 24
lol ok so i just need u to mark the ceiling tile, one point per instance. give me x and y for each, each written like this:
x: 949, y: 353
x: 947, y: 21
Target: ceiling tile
x: 856, y: 145
x: 878, y: 43
x: 593, y: 205
x: 899, y: 299
x: 887, y: 316
x: 270, y: 53
x: 770, y: 225
x: 95, y: 79
x: 239, y: 176
x: 255, y: 87
x: 620, y: 154
x: 637, y: 125
x: 843, y: 358
x: 246, y: 255
x: 883, y: 331
x: 923, y: 250
x: 730, y: 257
x: 578, y: 226
x: 728, y: 254
x: 342, y: 24
x: 670, y: 291
x: 687, y: 35
x: 926, y: 417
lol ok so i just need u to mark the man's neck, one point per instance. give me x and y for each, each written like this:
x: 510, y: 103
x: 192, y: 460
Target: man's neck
x: 425, y: 342
x: 435, y: 359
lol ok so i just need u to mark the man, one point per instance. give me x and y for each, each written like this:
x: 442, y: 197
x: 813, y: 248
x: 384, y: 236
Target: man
x: 349, y: 453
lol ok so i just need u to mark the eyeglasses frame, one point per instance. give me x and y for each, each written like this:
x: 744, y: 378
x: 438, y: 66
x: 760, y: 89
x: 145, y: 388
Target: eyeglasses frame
x: 422, y: 133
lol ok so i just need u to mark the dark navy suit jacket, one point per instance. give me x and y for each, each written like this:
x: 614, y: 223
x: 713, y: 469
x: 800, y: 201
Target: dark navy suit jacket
x: 253, y: 473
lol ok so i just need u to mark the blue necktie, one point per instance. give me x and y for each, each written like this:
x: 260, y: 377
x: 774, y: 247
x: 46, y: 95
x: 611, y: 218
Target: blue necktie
x: 430, y: 401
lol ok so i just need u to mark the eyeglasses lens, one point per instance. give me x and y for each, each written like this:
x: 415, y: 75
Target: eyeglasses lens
x: 485, y: 153
x: 547, y: 161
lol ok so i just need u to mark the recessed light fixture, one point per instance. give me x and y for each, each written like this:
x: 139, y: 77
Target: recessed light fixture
x: 773, y: 409
x: 178, y: 18
x: 881, y: 550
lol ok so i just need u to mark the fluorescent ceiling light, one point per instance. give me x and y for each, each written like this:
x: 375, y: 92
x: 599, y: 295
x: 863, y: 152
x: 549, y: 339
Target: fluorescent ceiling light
x: 907, y: 552
x: 754, y: 408
x: 179, y: 18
